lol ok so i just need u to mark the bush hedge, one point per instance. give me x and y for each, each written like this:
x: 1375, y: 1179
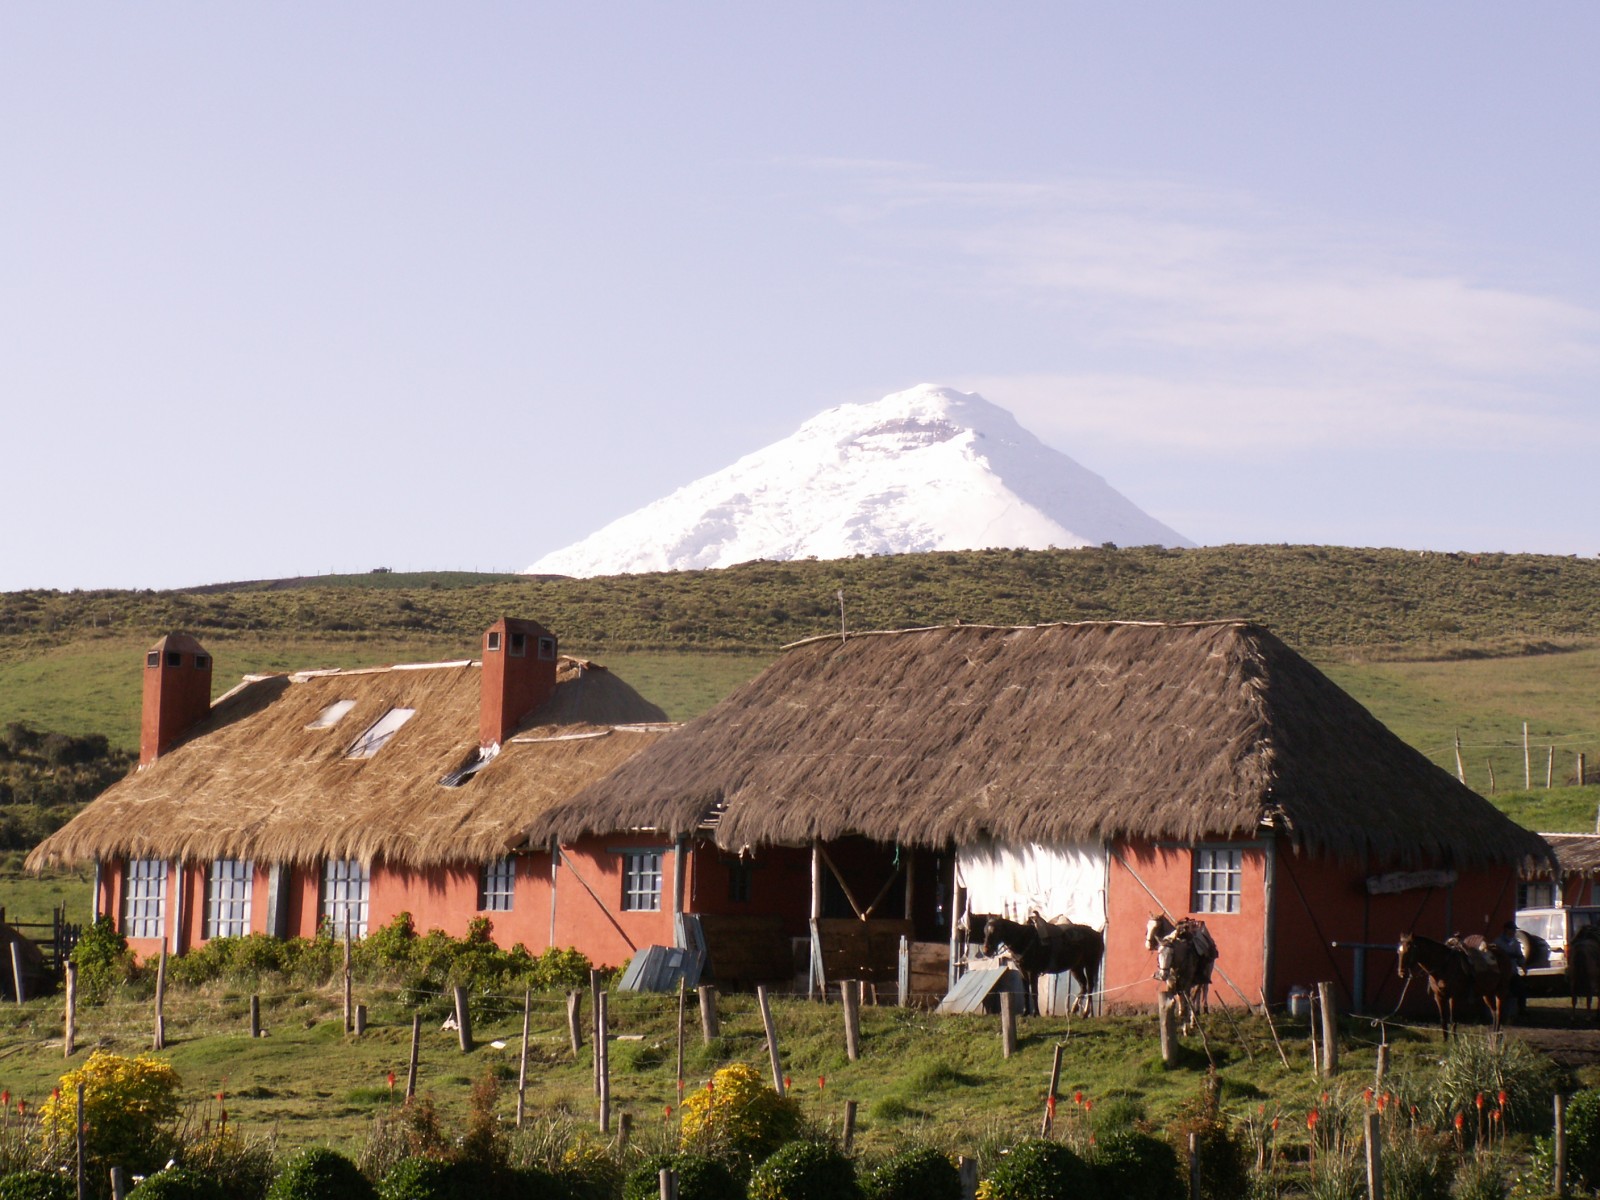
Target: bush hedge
x: 1040, y: 1170
x: 320, y: 1174
x: 805, y: 1171
x: 920, y: 1174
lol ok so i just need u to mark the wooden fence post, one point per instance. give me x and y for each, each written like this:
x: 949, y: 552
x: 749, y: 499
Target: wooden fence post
x: 463, y: 1020
x: 849, y: 1138
x: 416, y: 1046
x: 1167, y: 1019
x: 594, y: 1025
x: 1550, y: 770
x: 902, y: 975
x: 967, y: 1171
x: 522, y: 1061
x: 624, y: 1131
x: 1050, y: 1095
x: 1194, y: 1166
x: 70, y: 1034
x: 1374, y: 1157
x: 1008, y: 1026
x: 669, y: 1184
x: 161, y: 998
x: 349, y: 1012
x: 708, y: 1013
x: 119, y: 1183
x: 1330, y: 1029
x: 255, y: 1016
x: 772, y: 1038
x: 850, y: 994
x: 575, y: 1021
x: 1561, y: 1145
x: 683, y: 998
x: 361, y: 1020
x: 602, y: 1053
x: 1382, y: 1068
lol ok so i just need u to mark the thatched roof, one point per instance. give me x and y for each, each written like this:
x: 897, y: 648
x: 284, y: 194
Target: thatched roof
x: 1576, y: 854
x: 252, y: 781
x: 1053, y: 734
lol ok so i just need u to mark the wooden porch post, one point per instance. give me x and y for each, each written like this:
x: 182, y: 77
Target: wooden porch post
x: 816, y: 915
x: 94, y: 901
x: 555, y: 863
x: 177, y: 906
x: 911, y: 884
x: 680, y: 860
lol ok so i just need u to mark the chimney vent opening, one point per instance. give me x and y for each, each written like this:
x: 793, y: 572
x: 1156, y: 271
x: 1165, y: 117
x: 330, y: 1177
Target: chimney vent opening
x: 174, y: 659
x: 519, y: 645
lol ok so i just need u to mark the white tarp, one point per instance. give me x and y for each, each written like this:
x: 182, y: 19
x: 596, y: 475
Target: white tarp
x: 1063, y: 883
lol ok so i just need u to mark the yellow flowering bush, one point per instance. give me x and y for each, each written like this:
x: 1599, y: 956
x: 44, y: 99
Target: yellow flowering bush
x: 129, y: 1106
x: 738, y: 1116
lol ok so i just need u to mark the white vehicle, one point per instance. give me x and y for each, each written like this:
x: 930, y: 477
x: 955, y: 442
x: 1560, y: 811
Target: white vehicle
x: 1556, y: 927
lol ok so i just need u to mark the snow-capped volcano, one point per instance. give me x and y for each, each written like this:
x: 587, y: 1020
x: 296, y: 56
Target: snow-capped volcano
x: 925, y: 469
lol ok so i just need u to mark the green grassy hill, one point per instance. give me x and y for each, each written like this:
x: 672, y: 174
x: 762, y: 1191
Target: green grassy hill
x: 1435, y: 644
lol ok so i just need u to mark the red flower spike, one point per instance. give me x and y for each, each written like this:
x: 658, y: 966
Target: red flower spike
x: 1501, y: 1096
x: 1088, y: 1105
x: 668, y: 1111
x: 1460, y: 1121
x: 1494, y: 1115
x: 1367, y: 1095
x: 55, y: 1093
x: 822, y: 1083
x: 1311, y: 1119
x: 22, y: 1107
x: 5, y: 1098
x: 1478, y: 1100
x: 787, y: 1083
x: 390, y: 1078
x: 1274, y: 1124
x: 1050, y: 1104
x: 1383, y: 1101
x: 1077, y: 1098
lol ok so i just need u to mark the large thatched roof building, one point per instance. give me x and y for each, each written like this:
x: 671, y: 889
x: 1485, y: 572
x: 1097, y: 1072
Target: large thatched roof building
x: 1099, y: 770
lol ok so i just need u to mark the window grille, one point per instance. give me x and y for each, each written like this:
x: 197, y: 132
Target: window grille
x: 641, y: 881
x: 1218, y: 880
x: 144, y: 898
x: 344, y: 896
x: 228, y: 898
x: 498, y: 887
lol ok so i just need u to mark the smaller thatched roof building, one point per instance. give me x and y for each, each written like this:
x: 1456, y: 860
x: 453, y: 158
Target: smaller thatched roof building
x: 1576, y: 857
x: 1050, y: 734
x: 269, y: 773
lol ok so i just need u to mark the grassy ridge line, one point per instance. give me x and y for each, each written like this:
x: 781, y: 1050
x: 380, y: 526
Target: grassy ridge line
x: 1371, y: 603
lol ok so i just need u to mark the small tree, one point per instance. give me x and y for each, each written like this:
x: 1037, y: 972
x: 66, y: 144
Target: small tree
x: 129, y: 1104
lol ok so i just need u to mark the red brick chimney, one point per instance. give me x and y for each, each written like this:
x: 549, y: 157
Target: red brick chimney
x: 177, y: 693
x: 519, y: 674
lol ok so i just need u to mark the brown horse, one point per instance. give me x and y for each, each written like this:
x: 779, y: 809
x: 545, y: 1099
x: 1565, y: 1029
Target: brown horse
x: 1457, y: 972
x: 1583, y: 967
x: 1186, y: 954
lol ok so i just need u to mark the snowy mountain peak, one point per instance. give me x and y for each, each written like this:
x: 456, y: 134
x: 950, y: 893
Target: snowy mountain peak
x: 929, y: 468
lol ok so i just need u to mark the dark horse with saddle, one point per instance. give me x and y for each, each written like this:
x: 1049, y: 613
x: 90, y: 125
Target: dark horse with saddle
x: 1039, y: 947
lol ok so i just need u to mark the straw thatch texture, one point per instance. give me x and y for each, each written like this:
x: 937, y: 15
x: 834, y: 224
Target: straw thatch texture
x: 1058, y: 733
x: 1576, y: 854
x: 253, y: 782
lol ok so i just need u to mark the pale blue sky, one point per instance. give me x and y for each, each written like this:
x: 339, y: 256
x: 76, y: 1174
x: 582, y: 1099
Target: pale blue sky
x: 298, y: 288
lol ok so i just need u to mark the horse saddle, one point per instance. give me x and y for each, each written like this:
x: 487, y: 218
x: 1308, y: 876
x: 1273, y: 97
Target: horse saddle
x: 1483, y: 958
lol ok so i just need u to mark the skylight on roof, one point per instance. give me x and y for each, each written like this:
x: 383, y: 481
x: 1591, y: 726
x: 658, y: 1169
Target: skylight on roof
x: 379, y: 732
x: 329, y: 716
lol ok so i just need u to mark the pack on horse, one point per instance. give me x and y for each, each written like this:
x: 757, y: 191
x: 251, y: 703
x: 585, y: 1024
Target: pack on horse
x: 1042, y: 948
x: 1457, y: 970
x: 1186, y: 954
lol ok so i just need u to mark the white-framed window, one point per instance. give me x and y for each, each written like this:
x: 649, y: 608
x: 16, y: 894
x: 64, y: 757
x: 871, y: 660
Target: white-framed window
x: 144, y: 898
x: 228, y: 897
x: 1218, y: 880
x: 379, y: 732
x: 641, y: 881
x: 1536, y: 894
x: 344, y: 896
x: 331, y: 714
x: 498, y: 886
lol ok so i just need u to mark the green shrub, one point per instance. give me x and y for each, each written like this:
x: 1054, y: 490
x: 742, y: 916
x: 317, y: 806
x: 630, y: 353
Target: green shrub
x: 804, y: 1171
x: 37, y: 1185
x: 1136, y: 1166
x: 699, y: 1178
x: 1040, y: 1170
x: 419, y: 1178
x: 179, y: 1183
x: 104, y: 961
x: 320, y: 1174
x: 1583, y: 1136
x: 920, y: 1174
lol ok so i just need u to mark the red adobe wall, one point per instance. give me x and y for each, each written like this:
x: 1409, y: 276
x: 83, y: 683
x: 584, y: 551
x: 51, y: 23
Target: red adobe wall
x: 1139, y: 869
x: 1321, y: 901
